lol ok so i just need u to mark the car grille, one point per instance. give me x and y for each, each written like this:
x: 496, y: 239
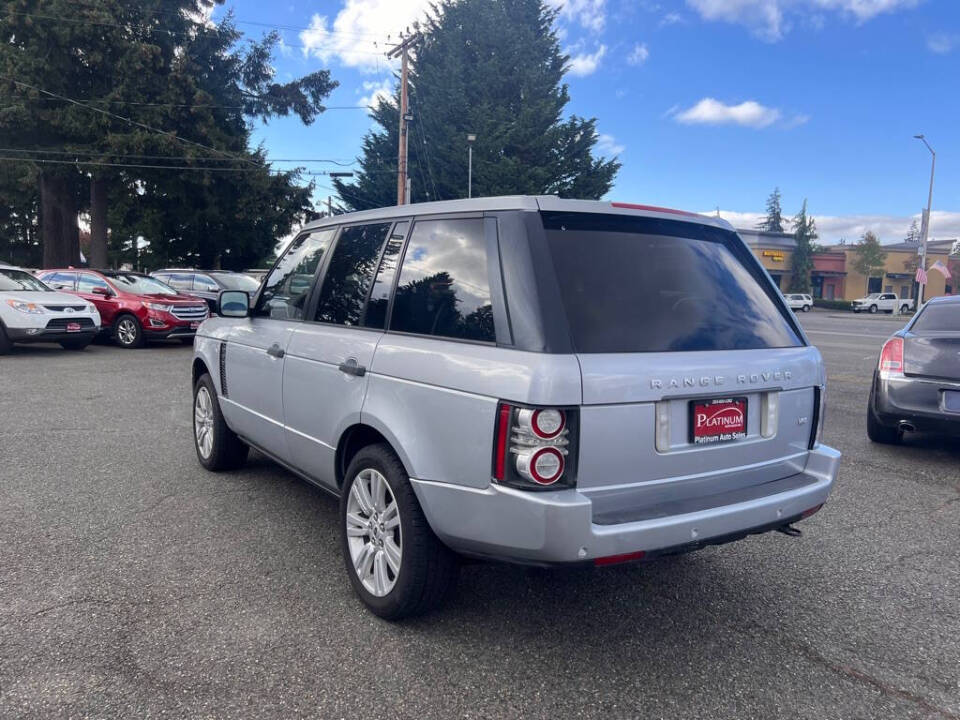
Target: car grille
x: 190, y: 312
x: 61, y: 323
x: 62, y: 308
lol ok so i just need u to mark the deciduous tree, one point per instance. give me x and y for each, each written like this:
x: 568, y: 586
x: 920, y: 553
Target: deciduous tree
x: 869, y: 257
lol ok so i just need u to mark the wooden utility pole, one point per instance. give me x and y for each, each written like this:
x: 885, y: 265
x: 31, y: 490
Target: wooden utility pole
x: 401, y: 51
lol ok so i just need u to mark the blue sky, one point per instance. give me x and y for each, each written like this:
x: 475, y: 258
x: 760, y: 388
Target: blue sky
x: 708, y: 103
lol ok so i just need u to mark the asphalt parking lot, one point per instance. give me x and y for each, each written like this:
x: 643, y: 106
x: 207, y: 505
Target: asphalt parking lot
x: 135, y: 584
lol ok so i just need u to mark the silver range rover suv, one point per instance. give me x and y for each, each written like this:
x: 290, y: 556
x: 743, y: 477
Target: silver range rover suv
x: 528, y: 379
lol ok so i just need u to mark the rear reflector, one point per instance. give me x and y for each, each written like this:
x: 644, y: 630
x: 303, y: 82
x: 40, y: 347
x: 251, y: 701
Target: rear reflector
x: 500, y: 450
x: 652, y: 208
x: 615, y: 559
x: 807, y: 513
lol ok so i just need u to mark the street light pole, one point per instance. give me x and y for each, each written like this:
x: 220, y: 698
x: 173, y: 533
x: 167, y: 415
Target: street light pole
x: 470, y: 138
x: 926, y: 224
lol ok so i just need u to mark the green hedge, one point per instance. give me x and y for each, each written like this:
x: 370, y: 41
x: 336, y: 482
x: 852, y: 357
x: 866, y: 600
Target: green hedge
x: 832, y: 304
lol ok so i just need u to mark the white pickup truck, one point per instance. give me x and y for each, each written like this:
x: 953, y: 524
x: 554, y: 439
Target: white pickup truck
x: 886, y: 302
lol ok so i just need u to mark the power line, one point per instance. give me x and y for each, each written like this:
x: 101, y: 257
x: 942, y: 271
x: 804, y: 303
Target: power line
x: 79, y: 151
x: 125, y: 119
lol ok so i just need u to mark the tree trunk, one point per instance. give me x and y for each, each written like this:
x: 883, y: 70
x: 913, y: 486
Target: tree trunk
x: 58, y: 222
x: 98, y: 223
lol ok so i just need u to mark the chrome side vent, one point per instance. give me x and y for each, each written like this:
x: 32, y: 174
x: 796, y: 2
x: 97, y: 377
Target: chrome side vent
x: 223, y: 369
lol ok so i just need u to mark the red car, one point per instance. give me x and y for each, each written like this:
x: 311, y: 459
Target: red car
x: 133, y: 307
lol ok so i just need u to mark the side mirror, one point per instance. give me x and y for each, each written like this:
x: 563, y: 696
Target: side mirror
x: 101, y: 291
x: 234, y: 303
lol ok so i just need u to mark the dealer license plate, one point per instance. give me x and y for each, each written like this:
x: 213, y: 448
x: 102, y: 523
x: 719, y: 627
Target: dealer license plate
x: 718, y: 420
x: 73, y: 327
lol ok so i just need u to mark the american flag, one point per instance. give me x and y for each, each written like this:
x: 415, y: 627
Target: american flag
x: 921, y: 275
x: 941, y: 268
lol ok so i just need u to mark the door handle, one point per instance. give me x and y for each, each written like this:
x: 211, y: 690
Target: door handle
x: 352, y: 367
x: 275, y: 351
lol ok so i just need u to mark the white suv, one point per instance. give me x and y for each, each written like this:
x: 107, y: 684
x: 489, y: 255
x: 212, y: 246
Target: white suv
x: 32, y: 312
x: 798, y: 301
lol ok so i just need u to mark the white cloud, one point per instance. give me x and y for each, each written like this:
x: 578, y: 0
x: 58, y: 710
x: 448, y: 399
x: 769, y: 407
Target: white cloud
x: 942, y: 43
x: 586, y: 63
x: 671, y: 18
x: 770, y: 19
x: 831, y: 228
x: 713, y: 112
x: 608, y: 145
x: 358, y: 36
x: 639, y: 54
x: 375, y: 90
x: 590, y: 14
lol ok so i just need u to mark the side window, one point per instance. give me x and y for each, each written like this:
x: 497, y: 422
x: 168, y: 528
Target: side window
x: 180, y: 281
x: 205, y: 282
x: 376, y: 315
x: 88, y: 282
x: 443, y: 288
x: 288, y: 285
x: 62, y: 280
x: 350, y: 274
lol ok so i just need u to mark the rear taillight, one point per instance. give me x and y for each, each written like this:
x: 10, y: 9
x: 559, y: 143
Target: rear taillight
x: 535, y: 448
x: 891, y: 358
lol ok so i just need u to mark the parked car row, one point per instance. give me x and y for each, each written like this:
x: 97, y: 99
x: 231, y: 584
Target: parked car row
x: 72, y: 306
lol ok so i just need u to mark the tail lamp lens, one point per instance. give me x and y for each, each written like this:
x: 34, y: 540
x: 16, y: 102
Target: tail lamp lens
x: 532, y: 446
x: 891, y: 358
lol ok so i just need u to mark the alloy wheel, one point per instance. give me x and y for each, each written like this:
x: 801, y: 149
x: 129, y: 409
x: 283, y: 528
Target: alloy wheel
x: 373, y: 532
x: 126, y: 331
x: 203, y: 422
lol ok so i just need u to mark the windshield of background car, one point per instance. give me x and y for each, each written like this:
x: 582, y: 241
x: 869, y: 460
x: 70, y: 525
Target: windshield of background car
x: 141, y: 284
x: 237, y: 282
x: 938, y: 318
x: 873, y: 296
x: 19, y: 280
x: 635, y: 284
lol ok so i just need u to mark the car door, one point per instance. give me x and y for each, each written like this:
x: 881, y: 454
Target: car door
x: 61, y: 280
x: 107, y: 304
x: 256, y: 345
x: 324, y: 374
x: 206, y: 287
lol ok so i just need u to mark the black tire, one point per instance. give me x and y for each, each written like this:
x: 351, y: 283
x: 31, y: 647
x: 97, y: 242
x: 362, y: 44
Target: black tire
x: 904, y: 309
x: 806, y: 308
x: 878, y: 432
x: 873, y: 309
x: 5, y: 344
x: 227, y: 451
x: 78, y: 344
x: 856, y: 311
x: 428, y: 569
x: 131, y: 340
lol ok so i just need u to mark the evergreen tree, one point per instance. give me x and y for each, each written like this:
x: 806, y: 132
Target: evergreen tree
x: 494, y: 69
x: 185, y: 90
x: 913, y: 234
x: 804, y: 232
x: 774, y: 220
x: 869, y: 259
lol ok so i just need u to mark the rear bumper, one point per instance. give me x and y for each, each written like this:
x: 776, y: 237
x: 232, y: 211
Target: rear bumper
x: 560, y: 527
x: 917, y: 401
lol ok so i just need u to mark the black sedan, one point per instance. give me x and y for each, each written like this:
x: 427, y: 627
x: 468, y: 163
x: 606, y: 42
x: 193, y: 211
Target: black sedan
x: 916, y: 386
x: 207, y: 283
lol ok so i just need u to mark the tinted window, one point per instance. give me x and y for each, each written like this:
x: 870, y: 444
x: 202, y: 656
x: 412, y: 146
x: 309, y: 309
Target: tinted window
x: 237, y: 281
x: 203, y: 282
x: 350, y: 274
x: 11, y: 279
x: 89, y: 281
x: 288, y: 285
x: 180, y: 281
x: 61, y: 280
x: 649, y: 285
x: 938, y: 318
x: 443, y: 288
x: 376, y: 316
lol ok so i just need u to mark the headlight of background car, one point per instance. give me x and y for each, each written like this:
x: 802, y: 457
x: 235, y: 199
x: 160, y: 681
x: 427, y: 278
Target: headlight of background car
x: 92, y: 309
x: 158, y: 306
x: 26, y: 307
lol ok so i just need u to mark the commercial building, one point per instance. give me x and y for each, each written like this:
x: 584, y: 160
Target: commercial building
x: 834, y: 276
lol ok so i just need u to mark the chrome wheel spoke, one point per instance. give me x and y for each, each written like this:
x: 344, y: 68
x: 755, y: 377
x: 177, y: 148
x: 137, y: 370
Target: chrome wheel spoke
x: 378, y: 491
x: 363, y: 560
x: 380, y: 579
x: 362, y: 496
x: 357, y: 525
x: 390, y: 516
x: 391, y: 551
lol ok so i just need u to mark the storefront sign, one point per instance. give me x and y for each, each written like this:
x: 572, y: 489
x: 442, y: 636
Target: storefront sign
x: 774, y: 255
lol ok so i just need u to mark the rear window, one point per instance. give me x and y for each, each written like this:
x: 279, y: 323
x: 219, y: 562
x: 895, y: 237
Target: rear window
x: 938, y: 318
x: 632, y: 284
